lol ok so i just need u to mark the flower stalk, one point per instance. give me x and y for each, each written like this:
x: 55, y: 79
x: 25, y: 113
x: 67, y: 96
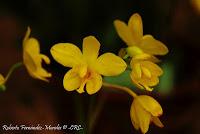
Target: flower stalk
x: 4, y: 80
x: 12, y: 69
x: 122, y: 88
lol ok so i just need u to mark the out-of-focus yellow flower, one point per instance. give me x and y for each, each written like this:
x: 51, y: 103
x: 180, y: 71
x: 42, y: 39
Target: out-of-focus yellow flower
x: 145, y: 73
x: 2, y: 79
x: 196, y: 5
x: 87, y: 67
x: 32, y: 58
x: 145, y: 109
x: 2, y: 82
x: 139, y: 46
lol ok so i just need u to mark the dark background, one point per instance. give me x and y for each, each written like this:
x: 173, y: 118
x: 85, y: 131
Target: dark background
x: 31, y: 102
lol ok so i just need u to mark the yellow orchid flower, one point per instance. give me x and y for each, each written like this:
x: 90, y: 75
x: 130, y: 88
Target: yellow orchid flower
x: 145, y: 73
x: 87, y: 67
x: 32, y: 58
x: 139, y: 46
x: 145, y: 109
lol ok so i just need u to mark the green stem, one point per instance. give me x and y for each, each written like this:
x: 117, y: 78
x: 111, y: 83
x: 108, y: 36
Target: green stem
x: 129, y: 91
x: 80, y: 113
x: 12, y: 69
x: 95, y: 113
x: 126, y: 56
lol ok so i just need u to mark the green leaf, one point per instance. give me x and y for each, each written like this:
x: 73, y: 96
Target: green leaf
x: 123, y: 79
x: 167, y: 79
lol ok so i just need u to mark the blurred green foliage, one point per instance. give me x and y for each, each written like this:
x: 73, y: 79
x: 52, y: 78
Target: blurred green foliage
x: 167, y: 79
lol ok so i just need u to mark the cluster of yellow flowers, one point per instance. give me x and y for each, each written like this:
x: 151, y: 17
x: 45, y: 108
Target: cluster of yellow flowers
x: 145, y: 72
x: 87, y: 67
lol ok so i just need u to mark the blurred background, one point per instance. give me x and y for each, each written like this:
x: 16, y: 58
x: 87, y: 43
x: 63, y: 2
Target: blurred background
x: 28, y: 101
